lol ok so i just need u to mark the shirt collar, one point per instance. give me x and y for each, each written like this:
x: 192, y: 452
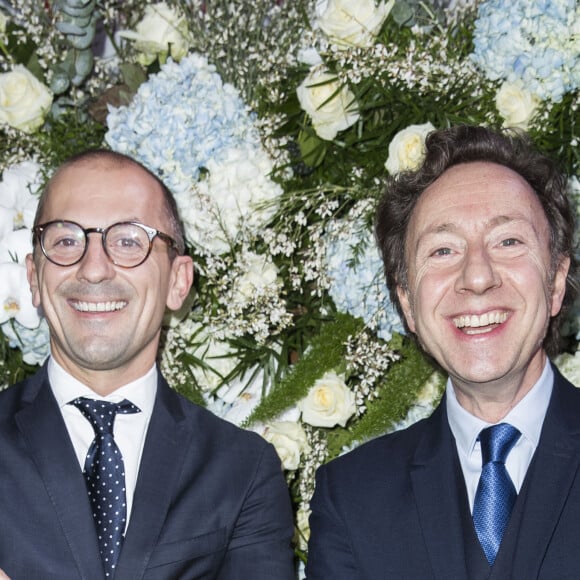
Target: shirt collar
x: 66, y: 388
x: 527, y: 416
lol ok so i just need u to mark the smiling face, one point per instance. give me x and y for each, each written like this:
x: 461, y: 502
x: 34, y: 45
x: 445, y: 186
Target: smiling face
x: 480, y: 286
x: 105, y: 320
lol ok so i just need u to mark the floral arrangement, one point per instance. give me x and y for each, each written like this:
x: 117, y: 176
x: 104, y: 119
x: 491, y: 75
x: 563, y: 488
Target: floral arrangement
x: 274, y: 125
x: 534, y: 43
x: 185, y: 121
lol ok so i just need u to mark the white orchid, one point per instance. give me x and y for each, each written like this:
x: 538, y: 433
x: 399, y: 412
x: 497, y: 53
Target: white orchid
x: 15, y: 299
x: 235, y: 401
x: 15, y: 245
x: 18, y: 195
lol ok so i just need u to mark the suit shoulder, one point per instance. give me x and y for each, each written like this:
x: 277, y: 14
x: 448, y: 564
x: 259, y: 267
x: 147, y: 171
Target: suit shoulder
x: 225, y: 443
x: 11, y: 399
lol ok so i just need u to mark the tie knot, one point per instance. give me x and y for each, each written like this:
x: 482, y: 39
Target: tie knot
x: 497, y: 441
x: 101, y: 414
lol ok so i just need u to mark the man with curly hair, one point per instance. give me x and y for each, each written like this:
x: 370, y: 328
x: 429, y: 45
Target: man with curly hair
x: 477, y: 246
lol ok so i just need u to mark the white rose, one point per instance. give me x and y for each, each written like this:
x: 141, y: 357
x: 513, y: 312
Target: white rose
x: 162, y: 32
x: 516, y: 105
x: 407, y: 148
x: 260, y: 273
x: 24, y: 100
x: 353, y: 22
x: 330, y: 112
x: 289, y: 440
x: 329, y: 402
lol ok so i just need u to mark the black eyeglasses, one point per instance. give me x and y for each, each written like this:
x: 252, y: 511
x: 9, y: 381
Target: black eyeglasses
x: 126, y: 244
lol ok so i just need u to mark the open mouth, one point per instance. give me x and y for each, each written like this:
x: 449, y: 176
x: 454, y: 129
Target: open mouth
x: 480, y: 323
x: 111, y: 306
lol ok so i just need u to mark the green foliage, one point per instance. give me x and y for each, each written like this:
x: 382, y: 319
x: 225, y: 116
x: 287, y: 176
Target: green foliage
x: 12, y: 368
x: 21, y: 51
x: 560, y: 126
x: 312, y: 148
x: 390, y: 100
x: 326, y: 352
x: 133, y: 75
x: 68, y: 135
x: 397, y: 393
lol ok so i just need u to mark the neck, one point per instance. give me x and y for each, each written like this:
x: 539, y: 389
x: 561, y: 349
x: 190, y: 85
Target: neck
x: 103, y: 382
x: 492, y: 401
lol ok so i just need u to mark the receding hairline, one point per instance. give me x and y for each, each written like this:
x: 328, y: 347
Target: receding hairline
x: 99, y: 159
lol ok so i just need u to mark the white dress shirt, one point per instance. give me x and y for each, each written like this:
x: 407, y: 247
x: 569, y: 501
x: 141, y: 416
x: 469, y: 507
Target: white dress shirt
x: 129, y: 429
x: 527, y: 416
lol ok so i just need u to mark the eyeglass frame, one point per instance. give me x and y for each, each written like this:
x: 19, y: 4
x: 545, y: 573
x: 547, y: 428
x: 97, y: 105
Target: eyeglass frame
x: 152, y: 233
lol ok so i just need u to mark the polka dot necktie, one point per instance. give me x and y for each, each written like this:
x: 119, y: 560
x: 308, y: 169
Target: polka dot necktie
x: 105, y: 477
x: 496, y: 494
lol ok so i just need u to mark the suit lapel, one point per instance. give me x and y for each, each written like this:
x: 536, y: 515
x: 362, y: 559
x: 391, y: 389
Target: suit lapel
x: 167, y: 441
x: 551, y: 475
x: 44, y: 431
x: 438, y: 493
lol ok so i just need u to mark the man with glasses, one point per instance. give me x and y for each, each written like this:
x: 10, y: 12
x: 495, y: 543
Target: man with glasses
x: 104, y: 470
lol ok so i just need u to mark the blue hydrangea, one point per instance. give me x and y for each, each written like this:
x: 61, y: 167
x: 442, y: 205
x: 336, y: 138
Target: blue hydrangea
x: 357, y: 284
x: 179, y: 119
x: 34, y: 342
x: 533, y: 41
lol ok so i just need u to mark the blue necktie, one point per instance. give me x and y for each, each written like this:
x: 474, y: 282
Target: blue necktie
x: 105, y: 477
x: 495, y: 495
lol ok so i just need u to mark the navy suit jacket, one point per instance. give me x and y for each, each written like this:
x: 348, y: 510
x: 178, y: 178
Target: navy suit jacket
x: 210, y: 501
x: 393, y: 508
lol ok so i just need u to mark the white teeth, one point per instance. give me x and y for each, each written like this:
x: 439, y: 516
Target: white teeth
x: 475, y: 321
x: 99, y: 306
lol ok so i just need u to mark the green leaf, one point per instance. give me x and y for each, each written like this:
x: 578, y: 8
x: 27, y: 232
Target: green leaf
x: 133, y: 75
x: 312, y: 148
x: 21, y: 51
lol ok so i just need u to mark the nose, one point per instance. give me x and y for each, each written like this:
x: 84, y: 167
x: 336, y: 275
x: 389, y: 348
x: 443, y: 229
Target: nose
x: 95, y: 266
x: 478, y: 273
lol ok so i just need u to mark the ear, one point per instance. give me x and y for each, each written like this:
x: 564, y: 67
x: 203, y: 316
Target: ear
x: 32, y: 276
x: 559, y: 286
x: 403, y: 295
x: 181, y: 281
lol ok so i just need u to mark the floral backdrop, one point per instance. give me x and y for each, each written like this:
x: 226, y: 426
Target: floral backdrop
x: 274, y: 123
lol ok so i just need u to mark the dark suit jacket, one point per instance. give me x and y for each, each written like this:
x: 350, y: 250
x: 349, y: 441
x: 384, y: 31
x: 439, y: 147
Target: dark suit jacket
x: 393, y: 508
x: 210, y: 500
